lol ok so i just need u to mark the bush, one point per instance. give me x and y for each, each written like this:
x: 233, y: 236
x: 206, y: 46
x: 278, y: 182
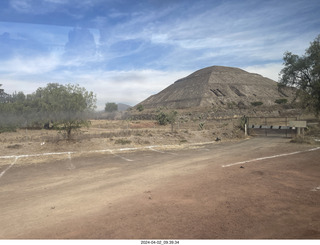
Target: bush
x: 256, y: 103
x: 140, y: 108
x: 162, y: 118
x: 111, y: 107
x: 122, y: 141
x: 201, y: 125
x: 281, y: 101
x: 166, y: 118
x: 301, y: 140
x: 8, y: 128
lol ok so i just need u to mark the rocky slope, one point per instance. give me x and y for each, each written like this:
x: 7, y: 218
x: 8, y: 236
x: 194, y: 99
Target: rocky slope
x: 223, y: 87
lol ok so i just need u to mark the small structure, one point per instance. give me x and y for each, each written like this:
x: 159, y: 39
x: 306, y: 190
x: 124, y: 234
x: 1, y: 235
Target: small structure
x: 299, y: 125
x: 274, y: 125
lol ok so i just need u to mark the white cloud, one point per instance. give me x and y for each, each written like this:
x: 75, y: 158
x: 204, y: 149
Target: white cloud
x: 11, y: 85
x: 20, y: 66
x: 270, y: 71
x: 242, y: 30
x: 129, y: 87
x: 47, y: 6
x: 21, y: 5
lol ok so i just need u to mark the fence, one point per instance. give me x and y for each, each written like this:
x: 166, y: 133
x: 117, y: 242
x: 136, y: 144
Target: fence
x: 271, y: 126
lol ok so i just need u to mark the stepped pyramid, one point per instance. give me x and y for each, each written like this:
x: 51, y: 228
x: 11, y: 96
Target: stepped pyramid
x: 219, y: 86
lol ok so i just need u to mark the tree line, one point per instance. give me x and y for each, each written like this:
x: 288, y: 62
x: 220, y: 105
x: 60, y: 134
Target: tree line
x: 64, y: 107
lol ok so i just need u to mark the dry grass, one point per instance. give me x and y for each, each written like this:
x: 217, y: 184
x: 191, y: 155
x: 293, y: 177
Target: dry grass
x: 106, y: 134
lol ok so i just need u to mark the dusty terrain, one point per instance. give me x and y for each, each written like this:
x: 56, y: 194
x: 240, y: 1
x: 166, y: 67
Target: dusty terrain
x: 115, y: 134
x: 219, y: 190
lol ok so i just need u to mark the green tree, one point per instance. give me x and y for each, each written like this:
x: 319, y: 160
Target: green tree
x: 4, y: 97
x: 68, y: 106
x: 140, y: 108
x: 303, y: 72
x: 111, y: 107
x: 12, y: 114
x: 165, y: 118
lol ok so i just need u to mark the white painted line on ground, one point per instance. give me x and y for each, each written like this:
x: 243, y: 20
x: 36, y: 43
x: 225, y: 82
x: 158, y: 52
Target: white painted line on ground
x: 129, y: 149
x: 269, y: 157
x: 16, y: 157
x: 4, y: 171
x: 151, y: 148
x: 96, y: 151
x: 37, y: 155
x: 70, y: 164
x: 69, y: 155
x: 111, y: 151
x: 127, y: 159
x: 163, y: 152
x: 106, y: 150
x: 314, y: 149
x: 204, y: 143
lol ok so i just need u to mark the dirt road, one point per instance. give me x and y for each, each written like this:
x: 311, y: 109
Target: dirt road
x: 214, y: 191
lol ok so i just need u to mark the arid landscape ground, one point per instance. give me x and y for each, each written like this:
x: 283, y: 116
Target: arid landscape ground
x: 168, y: 185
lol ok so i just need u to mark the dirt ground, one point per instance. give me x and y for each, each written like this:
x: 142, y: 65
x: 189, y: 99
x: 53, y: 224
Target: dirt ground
x: 258, y: 188
x: 112, y: 135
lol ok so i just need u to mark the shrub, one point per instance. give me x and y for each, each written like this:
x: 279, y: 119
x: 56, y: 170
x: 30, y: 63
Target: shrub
x: 162, y: 118
x: 110, y: 107
x: 201, y: 125
x: 281, y: 101
x: 231, y: 105
x: 122, y: 141
x: 167, y: 118
x: 7, y: 128
x: 301, y: 140
x: 256, y: 103
x: 140, y: 108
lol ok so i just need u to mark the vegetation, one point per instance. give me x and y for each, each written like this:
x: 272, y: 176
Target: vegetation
x: 243, y: 121
x: 111, y: 107
x: 122, y: 141
x: 140, y: 108
x: 67, y: 106
x: 4, y: 97
x: 231, y: 105
x: 201, y: 125
x: 257, y: 103
x: 303, y: 72
x: 281, y: 101
x: 16, y: 111
x: 164, y: 118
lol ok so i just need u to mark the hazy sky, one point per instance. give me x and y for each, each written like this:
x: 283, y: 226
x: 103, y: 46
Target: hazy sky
x: 126, y: 50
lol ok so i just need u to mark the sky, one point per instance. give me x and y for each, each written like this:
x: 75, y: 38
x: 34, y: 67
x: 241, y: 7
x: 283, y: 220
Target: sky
x: 125, y: 50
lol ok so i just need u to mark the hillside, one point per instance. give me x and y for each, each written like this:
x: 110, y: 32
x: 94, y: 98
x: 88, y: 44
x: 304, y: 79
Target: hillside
x: 219, y: 86
x: 123, y: 107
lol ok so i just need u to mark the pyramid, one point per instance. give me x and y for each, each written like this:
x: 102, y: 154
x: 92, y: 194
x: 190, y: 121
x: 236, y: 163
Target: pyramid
x: 220, y: 86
